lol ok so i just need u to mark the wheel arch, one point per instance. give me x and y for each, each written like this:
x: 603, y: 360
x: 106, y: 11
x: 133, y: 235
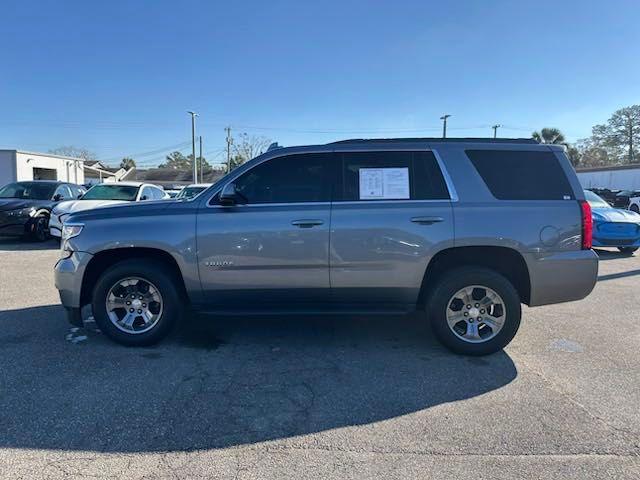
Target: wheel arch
x: 504, y: 260
x: 106, y: 258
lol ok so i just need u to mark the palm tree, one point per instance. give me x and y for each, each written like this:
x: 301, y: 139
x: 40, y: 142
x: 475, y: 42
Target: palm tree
x: 549, y: 135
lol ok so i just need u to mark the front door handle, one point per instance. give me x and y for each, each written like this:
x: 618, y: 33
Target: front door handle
x: 427, y: 220
x: 306, y: 223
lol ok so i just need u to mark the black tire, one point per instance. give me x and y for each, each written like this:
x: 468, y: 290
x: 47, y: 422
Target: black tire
x: 628, y: 250
x: 160, y: 277
x: 457, y: 279
x: 634, y: 208
x: 39, y: 232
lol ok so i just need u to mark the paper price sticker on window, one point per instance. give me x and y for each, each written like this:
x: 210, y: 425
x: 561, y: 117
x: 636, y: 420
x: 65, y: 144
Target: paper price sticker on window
x: 384, y: 183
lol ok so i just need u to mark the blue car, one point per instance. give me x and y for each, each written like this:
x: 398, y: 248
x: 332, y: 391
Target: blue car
x: 613, y: 227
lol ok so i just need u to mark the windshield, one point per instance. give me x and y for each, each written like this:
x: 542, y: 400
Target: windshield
x: 190, y: 192
x: 595, y: 201
x: 112, y: 192
x: 28, y: 190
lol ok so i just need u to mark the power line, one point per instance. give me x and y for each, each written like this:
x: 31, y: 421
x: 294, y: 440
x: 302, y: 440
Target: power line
x: 147, y: 153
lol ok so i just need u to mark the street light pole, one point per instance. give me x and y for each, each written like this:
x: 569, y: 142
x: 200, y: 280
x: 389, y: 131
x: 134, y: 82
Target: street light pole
x: 201, y: 167
x: 444, y: 125
x: 193, y: 145
x: 495, y: 130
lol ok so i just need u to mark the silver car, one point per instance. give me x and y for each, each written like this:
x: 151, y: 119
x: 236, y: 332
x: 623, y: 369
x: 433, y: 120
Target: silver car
x: 464, y: 230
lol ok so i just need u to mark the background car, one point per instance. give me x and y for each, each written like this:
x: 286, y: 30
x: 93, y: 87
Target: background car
x: 613, y: 227
x: 192, y: 190
x: 101, y: 195
x: 622, y: 199
x: 25, y: 207
x: 607, y: 194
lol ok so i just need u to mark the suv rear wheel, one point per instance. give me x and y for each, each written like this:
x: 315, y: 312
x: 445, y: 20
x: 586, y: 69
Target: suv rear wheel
x: 474, y: 311
x: 135, y: 302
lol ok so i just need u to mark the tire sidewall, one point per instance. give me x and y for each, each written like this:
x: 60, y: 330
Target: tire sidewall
x: 158, y: 276
x: 40, y: 224
x: 457, y: 279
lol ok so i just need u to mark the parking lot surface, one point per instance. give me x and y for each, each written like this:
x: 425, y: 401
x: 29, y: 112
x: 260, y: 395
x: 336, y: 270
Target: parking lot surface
x: 325, y: 397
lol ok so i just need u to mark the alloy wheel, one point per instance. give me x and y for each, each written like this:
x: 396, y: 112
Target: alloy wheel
x: 476, y: 313
x: 134, y: 305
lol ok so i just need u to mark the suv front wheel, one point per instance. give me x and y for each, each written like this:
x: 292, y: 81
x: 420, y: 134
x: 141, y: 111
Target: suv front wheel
x: 474, y: 311
x: 135, y: 302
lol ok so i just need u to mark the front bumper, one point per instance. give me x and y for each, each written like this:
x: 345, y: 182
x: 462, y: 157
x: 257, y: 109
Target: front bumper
x: 561, y: 276
x: 15, y: 228
x: 68, y: 275
x: 55, y: 226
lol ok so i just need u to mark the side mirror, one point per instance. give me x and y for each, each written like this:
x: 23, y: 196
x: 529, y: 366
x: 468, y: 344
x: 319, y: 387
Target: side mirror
x: 143, y: 197
x: 57, y: 197
x: 229, y: 196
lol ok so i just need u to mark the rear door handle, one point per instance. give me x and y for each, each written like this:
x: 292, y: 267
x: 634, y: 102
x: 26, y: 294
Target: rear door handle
x: 427, y: 220
x: 307, y: 223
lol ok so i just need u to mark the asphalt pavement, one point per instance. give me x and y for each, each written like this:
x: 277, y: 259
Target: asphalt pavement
x: 318, y: 397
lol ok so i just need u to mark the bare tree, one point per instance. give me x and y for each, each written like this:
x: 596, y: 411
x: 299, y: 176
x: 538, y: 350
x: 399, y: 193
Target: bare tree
x: 127, y: 163
x: 71, y: 151
x: 620, y: 134
x: 590, y: 153
x: 246, y: 148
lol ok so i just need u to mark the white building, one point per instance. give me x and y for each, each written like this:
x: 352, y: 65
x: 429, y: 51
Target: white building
x: 619, y: 177
x: 18, y: 165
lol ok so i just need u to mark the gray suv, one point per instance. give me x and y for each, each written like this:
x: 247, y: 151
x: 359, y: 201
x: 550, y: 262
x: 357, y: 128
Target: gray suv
x: 464, y: 229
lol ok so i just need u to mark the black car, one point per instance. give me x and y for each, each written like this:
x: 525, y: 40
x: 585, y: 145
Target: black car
x: 25, y: 206
x: 622, y: 198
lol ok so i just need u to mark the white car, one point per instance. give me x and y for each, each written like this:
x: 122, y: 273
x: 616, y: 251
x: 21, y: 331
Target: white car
x: 634, y: 204
x: 101, y: 195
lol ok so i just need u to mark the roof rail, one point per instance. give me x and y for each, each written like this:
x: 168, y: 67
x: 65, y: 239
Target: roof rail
x: 436, y: 140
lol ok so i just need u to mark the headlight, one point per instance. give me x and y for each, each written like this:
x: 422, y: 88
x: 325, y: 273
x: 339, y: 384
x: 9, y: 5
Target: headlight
x: 71, y: 230
x: 23, y: 212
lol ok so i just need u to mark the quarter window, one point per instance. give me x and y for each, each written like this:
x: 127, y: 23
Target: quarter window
x: 391, y: 176
x: 522, y: 175
x: 289, y: 179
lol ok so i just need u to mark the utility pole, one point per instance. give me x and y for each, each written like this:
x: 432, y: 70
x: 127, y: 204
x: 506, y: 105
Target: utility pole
x: 201, y: 168
x: 495, y: 130
x: 193, y: 145
x: 229, y: 143
x: 444, y: 125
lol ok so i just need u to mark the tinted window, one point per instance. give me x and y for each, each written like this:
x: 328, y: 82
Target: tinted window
x: 521, y: 175
x: 28, y: 190
x: 76, y: 190
x: 64, y: 192
x: 418, y: 170
x: 290, y: 179
x: 111, y: 192
x: 190, y: 192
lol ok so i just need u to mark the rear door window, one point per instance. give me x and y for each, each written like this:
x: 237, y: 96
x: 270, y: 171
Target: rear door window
x: 522, y: 175
x: 388, y: 175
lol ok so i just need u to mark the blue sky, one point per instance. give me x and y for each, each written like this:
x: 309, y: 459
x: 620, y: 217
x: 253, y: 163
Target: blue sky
x: 118, y: 77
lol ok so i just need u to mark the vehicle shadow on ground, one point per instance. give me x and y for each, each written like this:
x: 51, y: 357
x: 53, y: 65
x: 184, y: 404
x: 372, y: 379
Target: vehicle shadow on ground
x: 220, y: 382
x: 611, y: 254
x: 17, y: 245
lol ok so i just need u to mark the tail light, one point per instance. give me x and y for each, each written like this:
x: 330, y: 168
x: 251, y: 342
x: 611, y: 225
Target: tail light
x: 587, y: 225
